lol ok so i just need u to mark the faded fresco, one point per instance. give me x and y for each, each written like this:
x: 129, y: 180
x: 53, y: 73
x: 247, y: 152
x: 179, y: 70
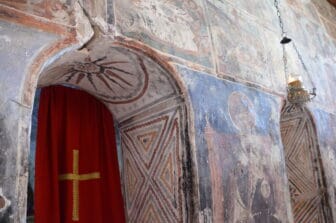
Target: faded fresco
x: 326, y: 131
x: 64, y: 11
x: 175, y: 27
x: 127, y: 81
x: 238, y: 140
x: 239, y: 161
x: 240, y: 47
x: 325, y: 82
x: 56, y: 10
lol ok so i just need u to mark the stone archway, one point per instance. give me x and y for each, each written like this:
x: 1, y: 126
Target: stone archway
x: 148, y: 103
x: 304, y: 167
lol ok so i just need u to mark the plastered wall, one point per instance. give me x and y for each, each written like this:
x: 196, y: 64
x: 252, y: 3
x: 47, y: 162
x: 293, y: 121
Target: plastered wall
x: 228, y: 56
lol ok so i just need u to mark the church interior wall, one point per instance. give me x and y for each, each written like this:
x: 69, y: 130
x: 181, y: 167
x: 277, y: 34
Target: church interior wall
x: 18, y: 46
x: 239, y: 41
x: 225, y: 52
x: 239, y: 149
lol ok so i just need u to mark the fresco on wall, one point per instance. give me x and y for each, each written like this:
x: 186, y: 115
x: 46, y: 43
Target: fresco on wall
x: 127, y: 81
x: 175, y: 27
x: 56, y: 10
x: 242, y: 176
x: 323, y: 7
x: 63, y: 11
x: 263, y: 10
x: 241, y: 49
x: 326, y: 131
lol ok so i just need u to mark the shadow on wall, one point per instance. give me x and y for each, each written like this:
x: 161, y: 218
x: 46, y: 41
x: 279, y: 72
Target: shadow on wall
x: 5, y: 209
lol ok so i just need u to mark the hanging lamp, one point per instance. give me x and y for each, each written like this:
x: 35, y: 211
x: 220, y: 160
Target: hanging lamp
x: 296, y: 93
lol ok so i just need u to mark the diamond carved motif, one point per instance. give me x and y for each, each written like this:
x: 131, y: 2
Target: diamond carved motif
x: 300, y: 149
x: 155, y: 145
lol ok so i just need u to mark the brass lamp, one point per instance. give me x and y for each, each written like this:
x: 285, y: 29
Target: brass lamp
x: 297, y: 94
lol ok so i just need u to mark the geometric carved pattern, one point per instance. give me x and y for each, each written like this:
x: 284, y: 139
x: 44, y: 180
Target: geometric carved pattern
x: 303, y: 166
x: 149, y: 107
x: 152, y: 151
x: 145, y: 138
x: 113, y: 81
x: 126, y: 80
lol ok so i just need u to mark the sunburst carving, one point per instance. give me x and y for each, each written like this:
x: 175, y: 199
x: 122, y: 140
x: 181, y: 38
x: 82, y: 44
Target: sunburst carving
x: 113, y: 81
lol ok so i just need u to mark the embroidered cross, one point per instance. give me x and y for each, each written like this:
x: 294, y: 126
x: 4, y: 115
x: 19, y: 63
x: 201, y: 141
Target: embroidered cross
x: 76, y: 177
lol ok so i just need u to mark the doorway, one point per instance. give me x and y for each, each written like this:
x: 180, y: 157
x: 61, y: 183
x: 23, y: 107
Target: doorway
x: 76, y: 166
x: 145, y: 97
x: 304, y: 166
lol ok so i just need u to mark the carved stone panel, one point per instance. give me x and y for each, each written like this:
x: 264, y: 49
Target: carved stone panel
x: 152, y: 148
x: 303, y: 166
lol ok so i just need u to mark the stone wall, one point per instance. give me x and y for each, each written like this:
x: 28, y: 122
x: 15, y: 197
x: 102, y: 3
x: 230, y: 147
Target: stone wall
x: 240, y: 155
x: 213, y: 44
x: 239, y: 41
x: 18, y: 46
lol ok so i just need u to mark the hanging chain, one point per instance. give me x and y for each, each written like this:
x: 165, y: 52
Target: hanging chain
x: 276, y: 5
x: 285, y: 63
x: 303, y: 65
x: 284, y: 54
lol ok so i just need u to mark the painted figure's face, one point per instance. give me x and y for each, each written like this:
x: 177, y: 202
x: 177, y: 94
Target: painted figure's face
x: 265, y: 189
x: 241, y: 112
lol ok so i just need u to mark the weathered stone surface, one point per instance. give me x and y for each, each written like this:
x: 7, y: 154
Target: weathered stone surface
x: 18, y: 45
x: 100, y: 12
x: 65, y: 14
x: 56, y: 10
x: 241, y: 37
x: 4, y: 208
x: 9, y: 119
x: 306, y: 33
x: 324, y: 9
x: 110, y: 12
x: 263, y: 11
x: 305, y: 8
x: 174, y: 27
x: 323, y: 77
x: 240, y: 158
x: 329, y: 27
x: 244, y: 48
x: 14, y: 148
x: 325, y: 126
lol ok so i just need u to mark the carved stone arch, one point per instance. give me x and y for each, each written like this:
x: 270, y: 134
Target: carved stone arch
x: 148, y: 101
x: 304, y: 167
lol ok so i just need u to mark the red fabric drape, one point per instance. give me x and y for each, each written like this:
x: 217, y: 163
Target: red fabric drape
x: 72, y: 123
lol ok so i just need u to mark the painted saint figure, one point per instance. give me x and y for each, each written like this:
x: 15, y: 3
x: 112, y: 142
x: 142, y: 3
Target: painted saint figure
x: 242, y: 189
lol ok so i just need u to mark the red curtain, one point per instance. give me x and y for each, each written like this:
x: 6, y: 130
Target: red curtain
x: 76, y: 176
